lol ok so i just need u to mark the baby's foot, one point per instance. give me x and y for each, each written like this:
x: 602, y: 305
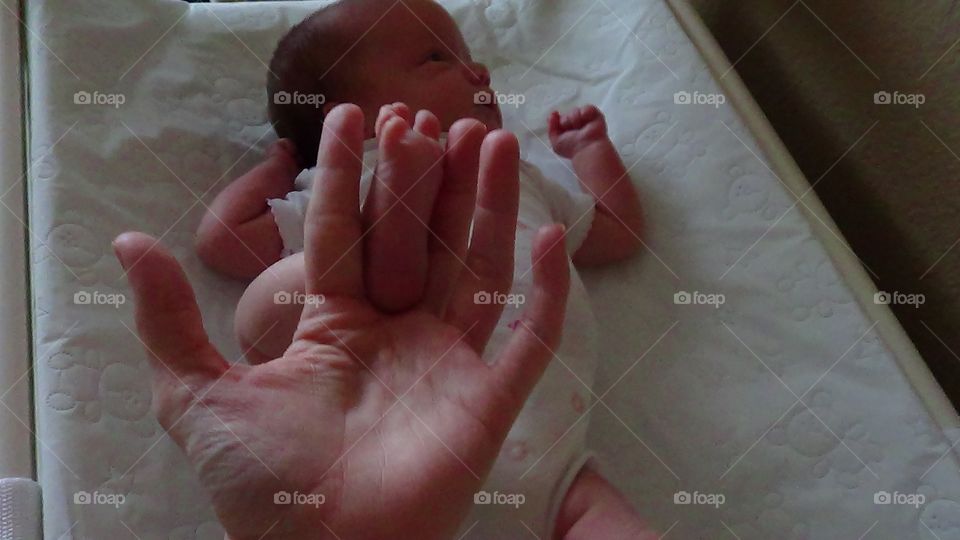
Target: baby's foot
x: 399, y: 206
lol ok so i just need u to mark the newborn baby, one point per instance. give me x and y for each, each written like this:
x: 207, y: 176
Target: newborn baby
x: 392, y: 59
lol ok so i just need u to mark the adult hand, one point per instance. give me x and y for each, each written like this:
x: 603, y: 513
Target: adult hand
x: 375, y: 425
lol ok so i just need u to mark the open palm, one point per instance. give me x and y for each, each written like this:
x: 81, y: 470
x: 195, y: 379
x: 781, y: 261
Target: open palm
x: 370, y: 424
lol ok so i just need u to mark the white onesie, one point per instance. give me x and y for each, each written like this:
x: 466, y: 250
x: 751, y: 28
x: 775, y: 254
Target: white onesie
x: 546, y: 447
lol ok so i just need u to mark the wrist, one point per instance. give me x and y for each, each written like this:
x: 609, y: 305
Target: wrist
x: 596, y: 158
x: 593, y: 147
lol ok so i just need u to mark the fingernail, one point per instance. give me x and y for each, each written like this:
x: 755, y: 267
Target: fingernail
x: 548, y: 229
x: 116, y: 250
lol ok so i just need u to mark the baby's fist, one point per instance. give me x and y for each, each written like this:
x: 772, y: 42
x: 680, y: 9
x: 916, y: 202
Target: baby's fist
x: 283, y: 154
x: 571, y: 132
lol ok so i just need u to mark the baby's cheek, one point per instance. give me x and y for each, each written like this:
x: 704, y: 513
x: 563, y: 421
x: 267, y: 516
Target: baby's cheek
x: 452, y: 101
x: 446, y: 108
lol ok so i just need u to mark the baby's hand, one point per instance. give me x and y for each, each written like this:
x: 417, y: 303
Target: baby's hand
x: 283, y: 155
x: 283, y: 147
x: 570, y: 133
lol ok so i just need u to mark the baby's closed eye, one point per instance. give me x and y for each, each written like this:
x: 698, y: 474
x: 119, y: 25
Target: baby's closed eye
x: 435, y: 55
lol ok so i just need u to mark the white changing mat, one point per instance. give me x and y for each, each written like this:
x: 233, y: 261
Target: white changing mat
x: 19, y: 509
x: 694, y: 399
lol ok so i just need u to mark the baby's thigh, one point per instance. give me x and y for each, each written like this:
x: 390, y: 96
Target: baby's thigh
x: 269, y: 310
x: 593, y: 508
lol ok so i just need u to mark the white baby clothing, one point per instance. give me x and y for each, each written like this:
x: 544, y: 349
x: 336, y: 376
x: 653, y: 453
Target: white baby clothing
x: 546, y: 447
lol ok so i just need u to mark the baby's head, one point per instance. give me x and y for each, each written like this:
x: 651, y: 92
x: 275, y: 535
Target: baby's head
x: 372, y: 53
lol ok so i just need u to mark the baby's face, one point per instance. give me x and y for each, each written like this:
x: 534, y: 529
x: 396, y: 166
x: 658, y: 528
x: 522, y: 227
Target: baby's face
x: 414, y: 54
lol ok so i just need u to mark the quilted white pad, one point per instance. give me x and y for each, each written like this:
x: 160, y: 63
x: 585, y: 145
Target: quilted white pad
x: 784, y: 403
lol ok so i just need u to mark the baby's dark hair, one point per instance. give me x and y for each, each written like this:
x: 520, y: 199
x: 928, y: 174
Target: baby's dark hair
x: 301, y: 60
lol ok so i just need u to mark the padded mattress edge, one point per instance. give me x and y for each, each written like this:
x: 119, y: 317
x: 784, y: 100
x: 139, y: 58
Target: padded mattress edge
x: 888, y: 328
x: 15, y: 362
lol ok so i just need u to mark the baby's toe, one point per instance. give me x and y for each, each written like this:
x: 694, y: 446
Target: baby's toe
x: 408, y: 157
x: 427, y: 124
x: 404, y: 111
x: 387, y: 113
x: 391, y: 133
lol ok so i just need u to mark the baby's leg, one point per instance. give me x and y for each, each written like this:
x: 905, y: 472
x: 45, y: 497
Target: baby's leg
x: 593, y: 508
x: 399, y: 207
x: 269, y: 310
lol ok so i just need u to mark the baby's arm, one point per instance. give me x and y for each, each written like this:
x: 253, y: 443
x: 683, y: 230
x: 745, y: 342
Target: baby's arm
x: 238, y: 236
x: 593, y: 509
x: 581, y: 136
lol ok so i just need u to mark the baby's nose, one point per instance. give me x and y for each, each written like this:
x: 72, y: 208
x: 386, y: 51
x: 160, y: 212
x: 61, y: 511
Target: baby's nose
x: 479, y: 74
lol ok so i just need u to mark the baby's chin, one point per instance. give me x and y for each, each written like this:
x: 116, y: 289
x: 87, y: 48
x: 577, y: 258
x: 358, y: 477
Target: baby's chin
x: 488, y: 114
